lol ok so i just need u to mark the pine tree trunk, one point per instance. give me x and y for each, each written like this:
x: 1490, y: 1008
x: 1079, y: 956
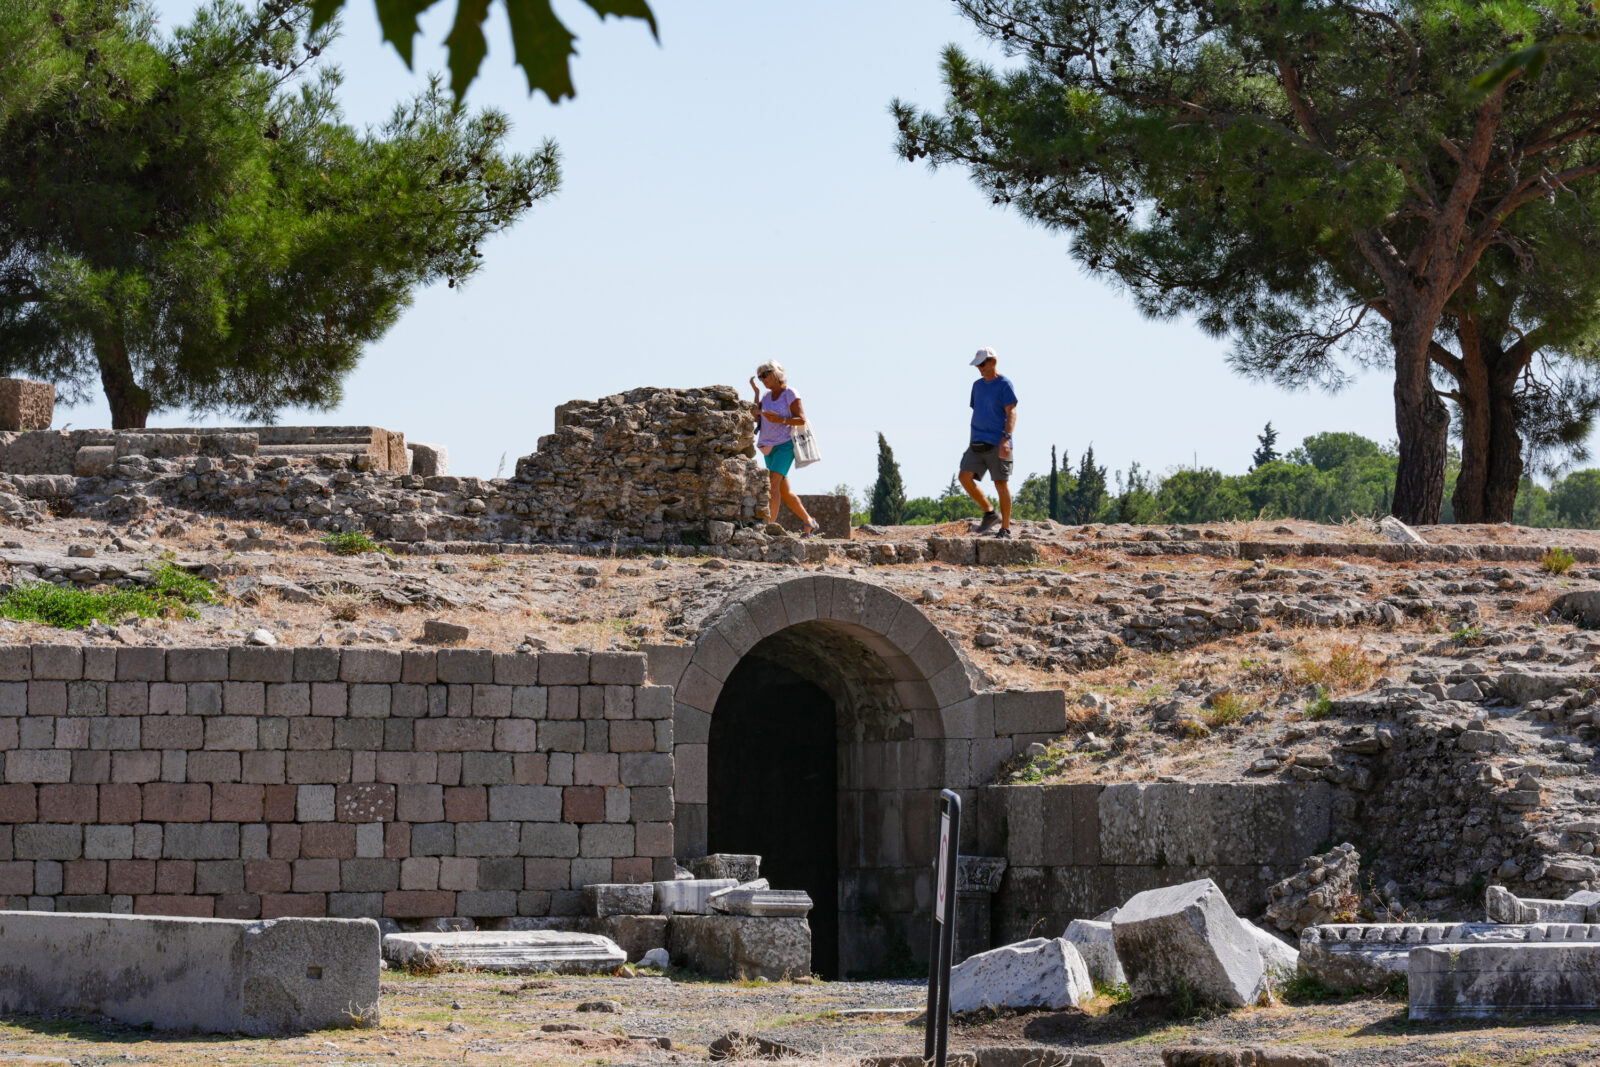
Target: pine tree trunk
x: 1422, y: 423
x: 130, y: 405
x: 1505, y: 441
x: 1472, y: 396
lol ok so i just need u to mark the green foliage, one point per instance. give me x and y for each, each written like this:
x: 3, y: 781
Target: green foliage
x: 1301, y: 987
x: 1467, y: 634
x: 1116, y: 992
x: 888, y: 506
x: 1278, y: 171
x: 69, y: 607
x: 353, y: 543
x: 1135, y: 501
x: 196, y: 226
x: 1577, y: 499
x: 1320, y: 706
x: 540, y: 43
x: 1557, y: 561
x: 949, y: 506
x: 175, y: 582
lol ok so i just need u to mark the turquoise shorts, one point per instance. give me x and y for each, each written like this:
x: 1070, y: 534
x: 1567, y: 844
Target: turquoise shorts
x: 781, y: 458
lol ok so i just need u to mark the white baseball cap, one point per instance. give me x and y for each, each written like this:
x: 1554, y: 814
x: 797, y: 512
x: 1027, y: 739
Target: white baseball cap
x: 984, y: 355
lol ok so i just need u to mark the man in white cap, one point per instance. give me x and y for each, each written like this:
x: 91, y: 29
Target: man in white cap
x: 994, y: 415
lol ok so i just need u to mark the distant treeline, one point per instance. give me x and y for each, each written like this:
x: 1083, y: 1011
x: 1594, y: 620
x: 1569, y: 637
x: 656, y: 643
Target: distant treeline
x: 1330, y: 478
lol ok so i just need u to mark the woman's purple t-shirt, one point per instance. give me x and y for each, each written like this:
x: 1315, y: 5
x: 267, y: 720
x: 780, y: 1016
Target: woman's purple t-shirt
x: 776, y: 433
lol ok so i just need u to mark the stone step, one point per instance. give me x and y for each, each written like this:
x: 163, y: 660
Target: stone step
x: 514, y: 952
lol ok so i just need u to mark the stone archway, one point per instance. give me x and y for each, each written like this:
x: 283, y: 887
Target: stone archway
x: 907, y: 724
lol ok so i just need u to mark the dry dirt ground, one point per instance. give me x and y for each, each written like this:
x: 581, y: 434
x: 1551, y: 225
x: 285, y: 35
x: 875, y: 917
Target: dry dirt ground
x: 502, y: 1019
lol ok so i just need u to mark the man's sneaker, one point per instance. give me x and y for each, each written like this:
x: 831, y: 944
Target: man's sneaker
x: 1002, y: 533
x: 991, y: 519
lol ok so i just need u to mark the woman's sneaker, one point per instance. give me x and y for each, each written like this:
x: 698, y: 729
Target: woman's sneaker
x: 991, y: 519
x: 1002, y: 533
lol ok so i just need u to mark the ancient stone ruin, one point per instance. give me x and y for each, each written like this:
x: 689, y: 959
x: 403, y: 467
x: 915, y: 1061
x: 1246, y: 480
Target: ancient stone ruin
x: 565, y: 807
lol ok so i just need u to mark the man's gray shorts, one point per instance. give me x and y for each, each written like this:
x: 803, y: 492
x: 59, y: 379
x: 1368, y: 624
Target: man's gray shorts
x: 980, y: 463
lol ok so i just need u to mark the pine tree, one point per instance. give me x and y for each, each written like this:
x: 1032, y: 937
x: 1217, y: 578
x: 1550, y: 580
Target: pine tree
x: 1321, y: 182
x: 186, y: 230
x: 1265, y: 453
x: 888, y: 492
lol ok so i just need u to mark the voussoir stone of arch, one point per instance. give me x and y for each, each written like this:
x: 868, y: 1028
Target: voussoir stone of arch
x: 767, y: 611
x: 799, y: 599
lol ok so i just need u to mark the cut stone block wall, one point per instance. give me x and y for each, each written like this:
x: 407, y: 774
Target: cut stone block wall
x: 26, y: 405
x: 830, y: 511
x: 267, y: 782
x: 1076, y: 850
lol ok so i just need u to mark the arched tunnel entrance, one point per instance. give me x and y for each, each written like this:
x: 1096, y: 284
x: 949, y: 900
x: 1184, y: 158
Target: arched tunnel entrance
x: 815, y: 724
x: 771, y: 777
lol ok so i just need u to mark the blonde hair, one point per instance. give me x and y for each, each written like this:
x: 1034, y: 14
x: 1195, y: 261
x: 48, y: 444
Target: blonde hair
x: 774, y: 367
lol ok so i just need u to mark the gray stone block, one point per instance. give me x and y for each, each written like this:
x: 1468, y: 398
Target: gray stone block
x: 197, y: 664
x: 201, y: 841
x: 1491, y: 981
x: 563, y: 952
x: 261, y: 664
x: 465, y: 665
x: 211, y: 975
x: 606, y: 899
x: 732, y: 946
x: 141, y: 664
x: 741, y: 867
x: 316, y: 664
x: 1187, y: 936
x: 688, y: 896
x: 1037, y: 973
x: 487, y: 838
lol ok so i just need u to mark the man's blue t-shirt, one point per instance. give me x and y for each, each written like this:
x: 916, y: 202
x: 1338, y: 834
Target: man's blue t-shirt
x: 989, y: 403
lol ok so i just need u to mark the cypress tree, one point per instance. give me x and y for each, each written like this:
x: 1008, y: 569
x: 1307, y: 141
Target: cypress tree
x: 1055, y: 489
x: 888, y: 492
x: 1265, y: 453
x: 1089, y: 495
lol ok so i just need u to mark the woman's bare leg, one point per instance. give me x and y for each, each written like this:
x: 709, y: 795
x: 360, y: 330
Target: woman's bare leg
x: 775, y: 495
x: 794, y: 502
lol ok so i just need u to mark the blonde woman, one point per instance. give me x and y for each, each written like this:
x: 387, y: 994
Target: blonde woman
x: 776, y: 414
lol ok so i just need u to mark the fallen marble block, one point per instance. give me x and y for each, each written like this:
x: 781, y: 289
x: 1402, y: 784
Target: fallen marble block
x: 1368, y: 956
x: 1093, y: 941
x: 688, y: 896
x: 763, y: 903
x: 211, y: 975
x: 1500, y: 905
x: 1279, y: 959
x: 741, y: 867
x: 515, y: 952
x: 738, y: 946
x: 1487, y: 981
x: 1187, y: 937
x: 1038, y: 973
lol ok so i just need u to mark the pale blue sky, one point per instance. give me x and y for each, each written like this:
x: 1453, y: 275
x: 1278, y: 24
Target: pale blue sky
x: 732, y: 195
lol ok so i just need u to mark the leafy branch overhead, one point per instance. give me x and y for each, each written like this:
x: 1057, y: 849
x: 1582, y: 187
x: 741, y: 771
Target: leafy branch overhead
x: 542, y: 44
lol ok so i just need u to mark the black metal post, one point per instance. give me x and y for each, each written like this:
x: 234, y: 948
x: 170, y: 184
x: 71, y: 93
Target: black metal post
x: 941, y: 950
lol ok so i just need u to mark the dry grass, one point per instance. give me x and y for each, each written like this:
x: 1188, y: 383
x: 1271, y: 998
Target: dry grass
x: 1227, y: 709
x: 1345, y: 667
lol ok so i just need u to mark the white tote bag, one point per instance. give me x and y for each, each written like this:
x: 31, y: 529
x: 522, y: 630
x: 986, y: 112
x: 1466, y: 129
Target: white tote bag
x: 806, y: 451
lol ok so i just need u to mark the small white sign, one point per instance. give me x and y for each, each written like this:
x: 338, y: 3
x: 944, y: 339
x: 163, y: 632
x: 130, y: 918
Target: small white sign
x: 944, y: 852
